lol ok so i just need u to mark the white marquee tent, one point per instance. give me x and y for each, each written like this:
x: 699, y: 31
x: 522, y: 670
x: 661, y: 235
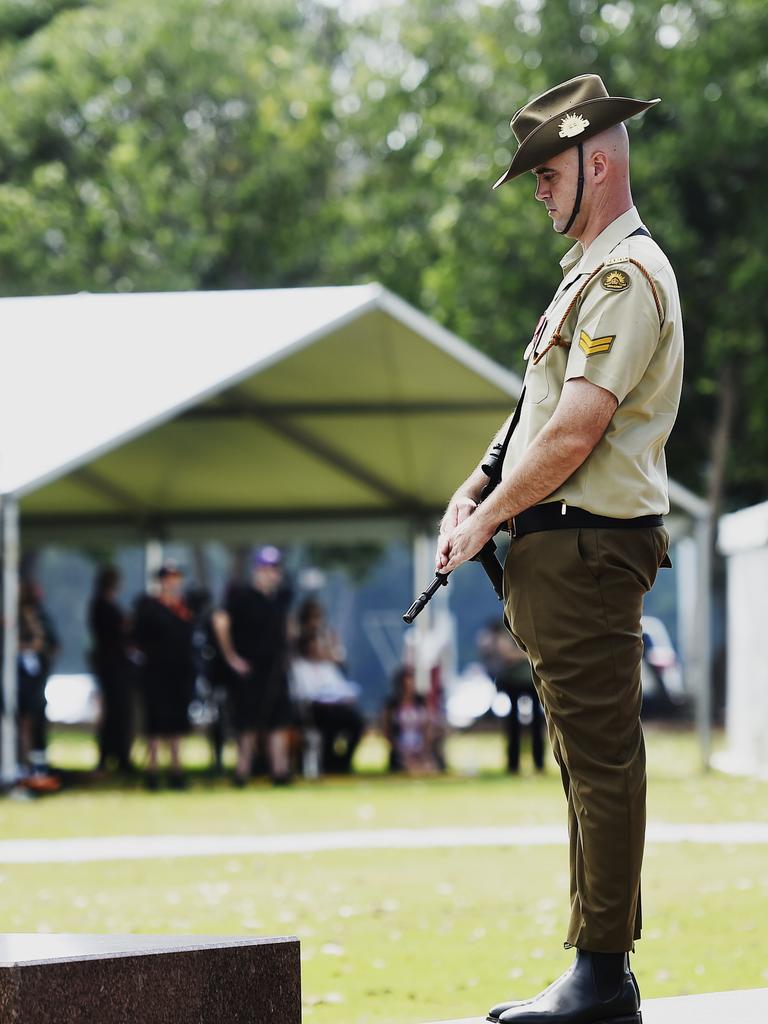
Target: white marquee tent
x: 743, y: 539
x: 166, y: 414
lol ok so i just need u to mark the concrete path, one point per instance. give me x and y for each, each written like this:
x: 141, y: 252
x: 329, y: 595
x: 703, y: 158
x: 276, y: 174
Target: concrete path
x: 104, y: 848
x: 747, y: 1007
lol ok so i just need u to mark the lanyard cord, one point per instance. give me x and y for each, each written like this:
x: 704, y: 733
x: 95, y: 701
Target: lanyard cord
x: 579, y: 192
x: 556, y: 338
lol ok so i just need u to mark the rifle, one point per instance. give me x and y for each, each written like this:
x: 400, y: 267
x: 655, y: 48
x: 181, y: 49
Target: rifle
x: 486, y: 556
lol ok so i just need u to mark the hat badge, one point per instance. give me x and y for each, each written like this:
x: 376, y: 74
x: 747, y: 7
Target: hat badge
x: 572, y: 125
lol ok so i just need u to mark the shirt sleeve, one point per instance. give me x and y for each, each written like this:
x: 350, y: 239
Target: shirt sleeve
x: 616, y: 332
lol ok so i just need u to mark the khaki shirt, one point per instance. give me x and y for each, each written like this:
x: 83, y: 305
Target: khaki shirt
x: 624, y: 333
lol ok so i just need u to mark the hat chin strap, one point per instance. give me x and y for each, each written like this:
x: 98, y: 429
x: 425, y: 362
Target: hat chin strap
x: 579, y: 192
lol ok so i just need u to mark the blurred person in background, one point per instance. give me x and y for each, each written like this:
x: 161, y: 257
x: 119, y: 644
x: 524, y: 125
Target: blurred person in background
x: 213, y: 676
x: 113, y: 670
x: 38, y: 645
x: 327, y: 700
x: 162, y: 632
x: 510, y: 669
x: 51, y: 652
x: 36, y: 657
x: 408, y: 727
x: 252, y: 633
x: 312, y: 624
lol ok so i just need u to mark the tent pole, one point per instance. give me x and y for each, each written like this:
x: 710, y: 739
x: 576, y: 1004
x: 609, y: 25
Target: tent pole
x: 423, y: 571
x: 9, y: 552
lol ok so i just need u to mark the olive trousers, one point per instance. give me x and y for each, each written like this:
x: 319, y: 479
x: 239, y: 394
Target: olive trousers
x: 573, y: 600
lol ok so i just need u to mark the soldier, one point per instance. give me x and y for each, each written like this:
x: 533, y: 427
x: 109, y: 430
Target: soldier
x: 583, y: 491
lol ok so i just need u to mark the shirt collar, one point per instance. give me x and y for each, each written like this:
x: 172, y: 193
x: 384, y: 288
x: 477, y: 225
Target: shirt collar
x: 607, y: 240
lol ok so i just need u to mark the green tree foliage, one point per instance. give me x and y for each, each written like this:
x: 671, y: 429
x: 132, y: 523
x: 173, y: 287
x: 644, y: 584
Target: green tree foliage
x: 152, y: 146
x: 22, y: 18
x: 227, y: 143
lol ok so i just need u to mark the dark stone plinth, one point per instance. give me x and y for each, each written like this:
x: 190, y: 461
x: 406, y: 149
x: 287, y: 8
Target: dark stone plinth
x: 152, y: 979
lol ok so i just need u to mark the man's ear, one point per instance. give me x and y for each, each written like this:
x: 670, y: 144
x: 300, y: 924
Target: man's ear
x: 599, y: 165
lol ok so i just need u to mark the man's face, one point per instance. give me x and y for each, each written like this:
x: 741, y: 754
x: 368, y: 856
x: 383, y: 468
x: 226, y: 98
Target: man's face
x: 172, y: 586
x: 556, y: 186
x: 267, y: 578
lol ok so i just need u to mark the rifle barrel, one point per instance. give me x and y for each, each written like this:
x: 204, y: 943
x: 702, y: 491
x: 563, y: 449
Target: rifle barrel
x: 440, y: 580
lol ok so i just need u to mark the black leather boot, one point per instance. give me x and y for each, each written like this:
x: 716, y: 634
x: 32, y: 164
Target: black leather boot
x: 598, y: 988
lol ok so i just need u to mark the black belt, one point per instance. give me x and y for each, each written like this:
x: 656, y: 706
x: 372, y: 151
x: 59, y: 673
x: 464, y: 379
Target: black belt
x: 556, y: 515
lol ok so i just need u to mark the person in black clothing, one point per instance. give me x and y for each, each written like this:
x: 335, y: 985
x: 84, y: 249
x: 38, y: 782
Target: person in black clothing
x: 32, y: 673
x: 38, y: 647
x: 31, y: 600
x: 253, y: 635
x: 512, y: 674
x: 163, y: 633
x: 113, y: 670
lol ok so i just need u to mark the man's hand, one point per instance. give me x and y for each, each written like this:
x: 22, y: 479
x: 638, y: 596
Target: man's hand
x: 463, y: 542
x: 459, y: 509
x: 238, y: 664
x: 222, y: 628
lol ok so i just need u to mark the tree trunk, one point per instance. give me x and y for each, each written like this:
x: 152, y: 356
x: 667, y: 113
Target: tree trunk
x: 720, y: 447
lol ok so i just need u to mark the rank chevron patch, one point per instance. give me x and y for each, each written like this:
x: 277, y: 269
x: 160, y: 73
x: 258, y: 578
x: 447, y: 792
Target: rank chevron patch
x: 591, y: 346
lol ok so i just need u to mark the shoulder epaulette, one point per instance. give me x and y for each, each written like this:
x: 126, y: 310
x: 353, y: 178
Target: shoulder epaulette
x: 556, y: 339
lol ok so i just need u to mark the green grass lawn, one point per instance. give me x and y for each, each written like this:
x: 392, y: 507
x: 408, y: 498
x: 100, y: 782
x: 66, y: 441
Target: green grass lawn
x: 402, y: 937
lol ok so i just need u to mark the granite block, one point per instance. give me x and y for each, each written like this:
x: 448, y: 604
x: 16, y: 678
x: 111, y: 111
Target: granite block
x: 154, y: 979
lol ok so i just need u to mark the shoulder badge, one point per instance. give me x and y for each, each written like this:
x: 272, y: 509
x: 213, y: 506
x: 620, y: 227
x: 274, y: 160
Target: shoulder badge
x: 615, y: 280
